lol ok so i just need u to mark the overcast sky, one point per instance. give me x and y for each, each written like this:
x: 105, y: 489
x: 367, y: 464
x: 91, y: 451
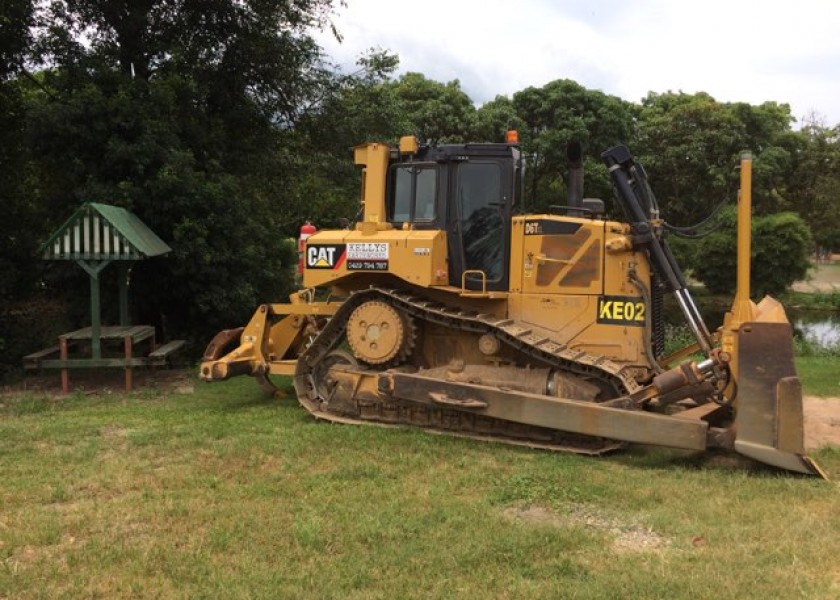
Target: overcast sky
x: 735, y: 50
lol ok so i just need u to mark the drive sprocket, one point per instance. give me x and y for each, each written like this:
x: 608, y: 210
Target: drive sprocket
x: 378, y: 333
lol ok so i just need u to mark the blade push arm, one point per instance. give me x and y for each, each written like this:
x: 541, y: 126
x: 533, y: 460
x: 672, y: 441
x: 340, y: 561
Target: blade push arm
x: 631, y: 184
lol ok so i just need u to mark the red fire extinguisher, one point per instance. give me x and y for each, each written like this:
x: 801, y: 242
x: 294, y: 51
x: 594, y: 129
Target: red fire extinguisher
x: 306, y: 230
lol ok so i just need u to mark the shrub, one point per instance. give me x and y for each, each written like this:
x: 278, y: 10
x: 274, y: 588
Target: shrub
x: 780, y: 247
x: 27, y: 326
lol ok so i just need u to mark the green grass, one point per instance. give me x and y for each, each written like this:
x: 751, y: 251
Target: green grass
x: 820, y: 375
x: 228, y: 494
x: 820, y: 301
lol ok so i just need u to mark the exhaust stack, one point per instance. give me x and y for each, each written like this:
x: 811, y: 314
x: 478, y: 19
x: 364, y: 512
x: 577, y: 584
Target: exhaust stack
x: 574, y: 154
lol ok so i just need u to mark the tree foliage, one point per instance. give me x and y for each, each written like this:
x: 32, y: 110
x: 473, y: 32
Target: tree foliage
x: 687, y: 144
x: 175, y: 110
x: 323, y: 185
x: 222, y: 126
x: 494, y: 119
x: 16, y: 19
x: 781, y: 245
x: 690, y: 145
x: 560, y: 112
x: 18, y: 261
x: 369, y: 105
x: 434, y: 112
x: 815, y: 182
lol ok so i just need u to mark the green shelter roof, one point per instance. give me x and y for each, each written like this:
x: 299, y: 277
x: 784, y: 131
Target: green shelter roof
x: 103, y: 232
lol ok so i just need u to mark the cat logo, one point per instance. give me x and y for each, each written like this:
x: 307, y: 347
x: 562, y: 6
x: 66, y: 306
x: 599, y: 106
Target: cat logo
x: 325, y: 256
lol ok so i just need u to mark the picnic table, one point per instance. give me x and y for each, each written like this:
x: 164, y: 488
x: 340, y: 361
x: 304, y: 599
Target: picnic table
x: 74, y: 351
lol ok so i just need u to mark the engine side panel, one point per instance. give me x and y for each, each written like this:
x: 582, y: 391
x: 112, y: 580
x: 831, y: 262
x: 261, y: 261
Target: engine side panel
x: 416, y: 256
x: 574, y: 284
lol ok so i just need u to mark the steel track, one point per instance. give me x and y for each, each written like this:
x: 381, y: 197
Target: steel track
x: 613, y: 376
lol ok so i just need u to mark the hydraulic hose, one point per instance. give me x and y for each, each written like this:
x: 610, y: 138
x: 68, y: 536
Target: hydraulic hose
x: 634, y: 279
x: 621, y: 165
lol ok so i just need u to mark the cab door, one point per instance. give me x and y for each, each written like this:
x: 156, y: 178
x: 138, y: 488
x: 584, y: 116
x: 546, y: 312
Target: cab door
x: 478, y: 217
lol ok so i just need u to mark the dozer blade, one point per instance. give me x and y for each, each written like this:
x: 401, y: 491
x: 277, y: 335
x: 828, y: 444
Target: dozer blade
x: 769, y: 421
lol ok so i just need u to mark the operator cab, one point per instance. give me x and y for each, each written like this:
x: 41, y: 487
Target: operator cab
x: 467, y: 190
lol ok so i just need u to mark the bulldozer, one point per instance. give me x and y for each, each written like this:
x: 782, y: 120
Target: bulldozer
x: 445, y: 308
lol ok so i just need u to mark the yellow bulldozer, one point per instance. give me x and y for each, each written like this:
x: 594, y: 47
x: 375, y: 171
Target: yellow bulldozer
x: 445, y: 309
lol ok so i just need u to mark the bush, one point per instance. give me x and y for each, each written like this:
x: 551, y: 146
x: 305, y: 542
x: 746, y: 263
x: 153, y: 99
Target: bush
x: 28, y: 326
x: 780, y: 248
x: 685, y: 251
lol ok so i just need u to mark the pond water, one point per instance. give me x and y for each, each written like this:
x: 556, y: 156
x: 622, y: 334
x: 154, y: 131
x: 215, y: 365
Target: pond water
x: 820, y: 328
x: 817, y: 327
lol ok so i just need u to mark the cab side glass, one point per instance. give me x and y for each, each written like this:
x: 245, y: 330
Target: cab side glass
x: 401, y: 211
x: 424, y: 205
x: 479, y: 198
x: 413, y: 193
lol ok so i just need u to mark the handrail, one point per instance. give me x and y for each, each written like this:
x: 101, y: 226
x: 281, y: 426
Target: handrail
x: 473, y: 272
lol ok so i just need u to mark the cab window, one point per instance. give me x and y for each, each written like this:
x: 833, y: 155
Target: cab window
x: 414, y: 190
x: 482, y: 227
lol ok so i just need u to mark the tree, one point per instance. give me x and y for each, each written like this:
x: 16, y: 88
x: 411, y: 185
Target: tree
x: 690, y: 146
x: 434, y: 112
x: 19, y: 264
x: 176, y: 109
x: 355, y: 108
x: 494, y: 118
x: 560, y: 112
x: 16, y: 19
x: 815, y: 181
x: 368, y: 105
x: 781, y: 244
x: 768, y: 136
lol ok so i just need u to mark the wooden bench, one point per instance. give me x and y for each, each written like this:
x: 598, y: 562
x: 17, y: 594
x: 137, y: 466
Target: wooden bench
x: 159, y: 356
x: 33, y: 361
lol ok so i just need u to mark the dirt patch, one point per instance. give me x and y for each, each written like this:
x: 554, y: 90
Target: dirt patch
x: 533, y: 514
x: 822, y: 422
x: 825, y: 277
x: 626, y: 536
x: 104, y: 382
x: 807, y: 287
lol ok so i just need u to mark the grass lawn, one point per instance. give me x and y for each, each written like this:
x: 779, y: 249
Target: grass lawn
x: 225, y: 493
x: 820, y: 375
